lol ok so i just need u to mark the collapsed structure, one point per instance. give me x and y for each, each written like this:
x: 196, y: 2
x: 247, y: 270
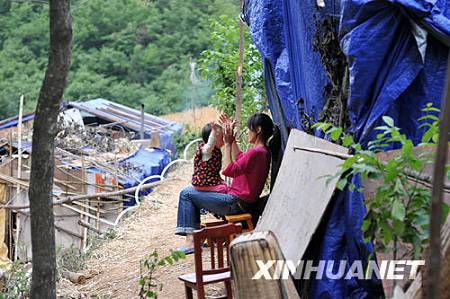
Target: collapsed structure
x: 99, y: 150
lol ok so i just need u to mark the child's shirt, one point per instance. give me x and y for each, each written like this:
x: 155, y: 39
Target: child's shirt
x: 207, y: 167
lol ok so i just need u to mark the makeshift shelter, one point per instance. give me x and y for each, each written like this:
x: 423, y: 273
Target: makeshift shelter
x: 101, y: 111
x: 95, y: 158
x: 396, y: 52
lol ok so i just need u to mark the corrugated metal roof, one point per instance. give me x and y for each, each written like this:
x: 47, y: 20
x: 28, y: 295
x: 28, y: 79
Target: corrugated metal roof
x: 126, y: 116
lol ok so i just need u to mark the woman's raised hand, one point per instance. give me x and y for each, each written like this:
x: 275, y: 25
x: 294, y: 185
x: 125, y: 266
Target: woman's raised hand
x: 228, y: 125
x: 223, y: 120
x: 228, y: 135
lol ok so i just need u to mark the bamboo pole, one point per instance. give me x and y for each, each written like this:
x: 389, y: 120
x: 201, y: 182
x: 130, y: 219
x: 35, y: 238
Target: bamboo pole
x: 98, y: 216
x: 99, y: 219
x: 82, y: 217
x: 193, y: 91
x: 239, y: 75
x: 141, y: 132
x: 86, y: 225
x: 19, y: 172
x: 434, y: 263
x: 90, y: 196
x: 10, y: 215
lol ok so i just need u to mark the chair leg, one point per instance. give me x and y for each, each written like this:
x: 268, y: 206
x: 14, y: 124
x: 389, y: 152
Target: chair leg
x: 201, y: 292
x: 188, y: 291
x: 228, y: 288
x: 250, y: 225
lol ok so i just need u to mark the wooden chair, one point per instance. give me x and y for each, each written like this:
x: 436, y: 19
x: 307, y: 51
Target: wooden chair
x: 241, y: 218
x: 219, y: 239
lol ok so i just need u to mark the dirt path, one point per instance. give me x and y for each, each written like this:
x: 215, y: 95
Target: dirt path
x: 150, y: 227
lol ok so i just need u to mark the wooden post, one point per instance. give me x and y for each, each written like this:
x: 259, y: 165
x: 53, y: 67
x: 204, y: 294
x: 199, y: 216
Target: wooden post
x: 245, y: 251
x: 142, y: 121
x: 193, y: 93
x: 10, y: 212
x: 19, y: 173
x: 98, y: 214
x: 82, y: 217
x: 239, y: 75
x: 434, y: 262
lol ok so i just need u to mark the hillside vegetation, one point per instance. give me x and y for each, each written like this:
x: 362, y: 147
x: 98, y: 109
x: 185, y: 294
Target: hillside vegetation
x: 128, y: 51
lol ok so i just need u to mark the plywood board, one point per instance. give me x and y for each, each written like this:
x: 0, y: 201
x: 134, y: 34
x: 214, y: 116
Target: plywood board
x: 300, y: 194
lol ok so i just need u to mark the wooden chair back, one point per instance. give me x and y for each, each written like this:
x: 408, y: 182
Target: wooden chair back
x: 218, y: 239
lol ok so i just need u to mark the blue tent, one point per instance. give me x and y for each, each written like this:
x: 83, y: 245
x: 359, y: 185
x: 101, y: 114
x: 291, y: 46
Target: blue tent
x: 142, y: 164
x: 396, y: 51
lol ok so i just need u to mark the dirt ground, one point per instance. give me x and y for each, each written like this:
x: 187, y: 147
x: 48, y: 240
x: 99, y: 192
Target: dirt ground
x: 151, y: 227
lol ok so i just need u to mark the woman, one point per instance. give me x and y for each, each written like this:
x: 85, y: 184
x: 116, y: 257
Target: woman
x: 249, y: 171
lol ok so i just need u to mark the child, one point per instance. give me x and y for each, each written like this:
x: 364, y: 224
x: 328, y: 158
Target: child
x: 208, y: 161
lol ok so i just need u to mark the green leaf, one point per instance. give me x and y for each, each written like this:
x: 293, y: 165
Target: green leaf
x: 351, y: 187
x: 335, y: 133
x: 399, y: 227
x: 447, y: 170
x: 357, y: 147
x: 388, y: 120
x: 391, y: 171
x: 365, y: 225
x: 387, y: 233
x: 416, y: 164
x: 398, y: 210
x: 162, y: 263
x: 169, y: 260
x: 435, y: 138
x: 347, y: 140
x: 407, y: 148
x: 341, y: 184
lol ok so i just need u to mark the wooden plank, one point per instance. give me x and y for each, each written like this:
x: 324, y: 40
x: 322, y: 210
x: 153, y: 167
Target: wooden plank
x: 300, y: 194
x: 245, y: 251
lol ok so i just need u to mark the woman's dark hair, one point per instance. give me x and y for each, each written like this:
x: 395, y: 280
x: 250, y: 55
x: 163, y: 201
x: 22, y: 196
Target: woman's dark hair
x: 268, y: 130
x: 263, y: 121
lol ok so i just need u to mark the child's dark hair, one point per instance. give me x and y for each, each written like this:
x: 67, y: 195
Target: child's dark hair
x: 264, y: 122
x: 206, y: 131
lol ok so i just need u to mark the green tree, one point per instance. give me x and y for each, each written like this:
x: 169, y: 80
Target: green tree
x: 219, y: 64
x: 131, y: 52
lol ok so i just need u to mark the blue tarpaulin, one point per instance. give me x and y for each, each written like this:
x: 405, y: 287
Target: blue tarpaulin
x: 397, y: 62
x: 12, y: 122
x: 144, y: 163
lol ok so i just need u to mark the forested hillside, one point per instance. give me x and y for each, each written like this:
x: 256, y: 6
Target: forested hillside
x: 128, y: 51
